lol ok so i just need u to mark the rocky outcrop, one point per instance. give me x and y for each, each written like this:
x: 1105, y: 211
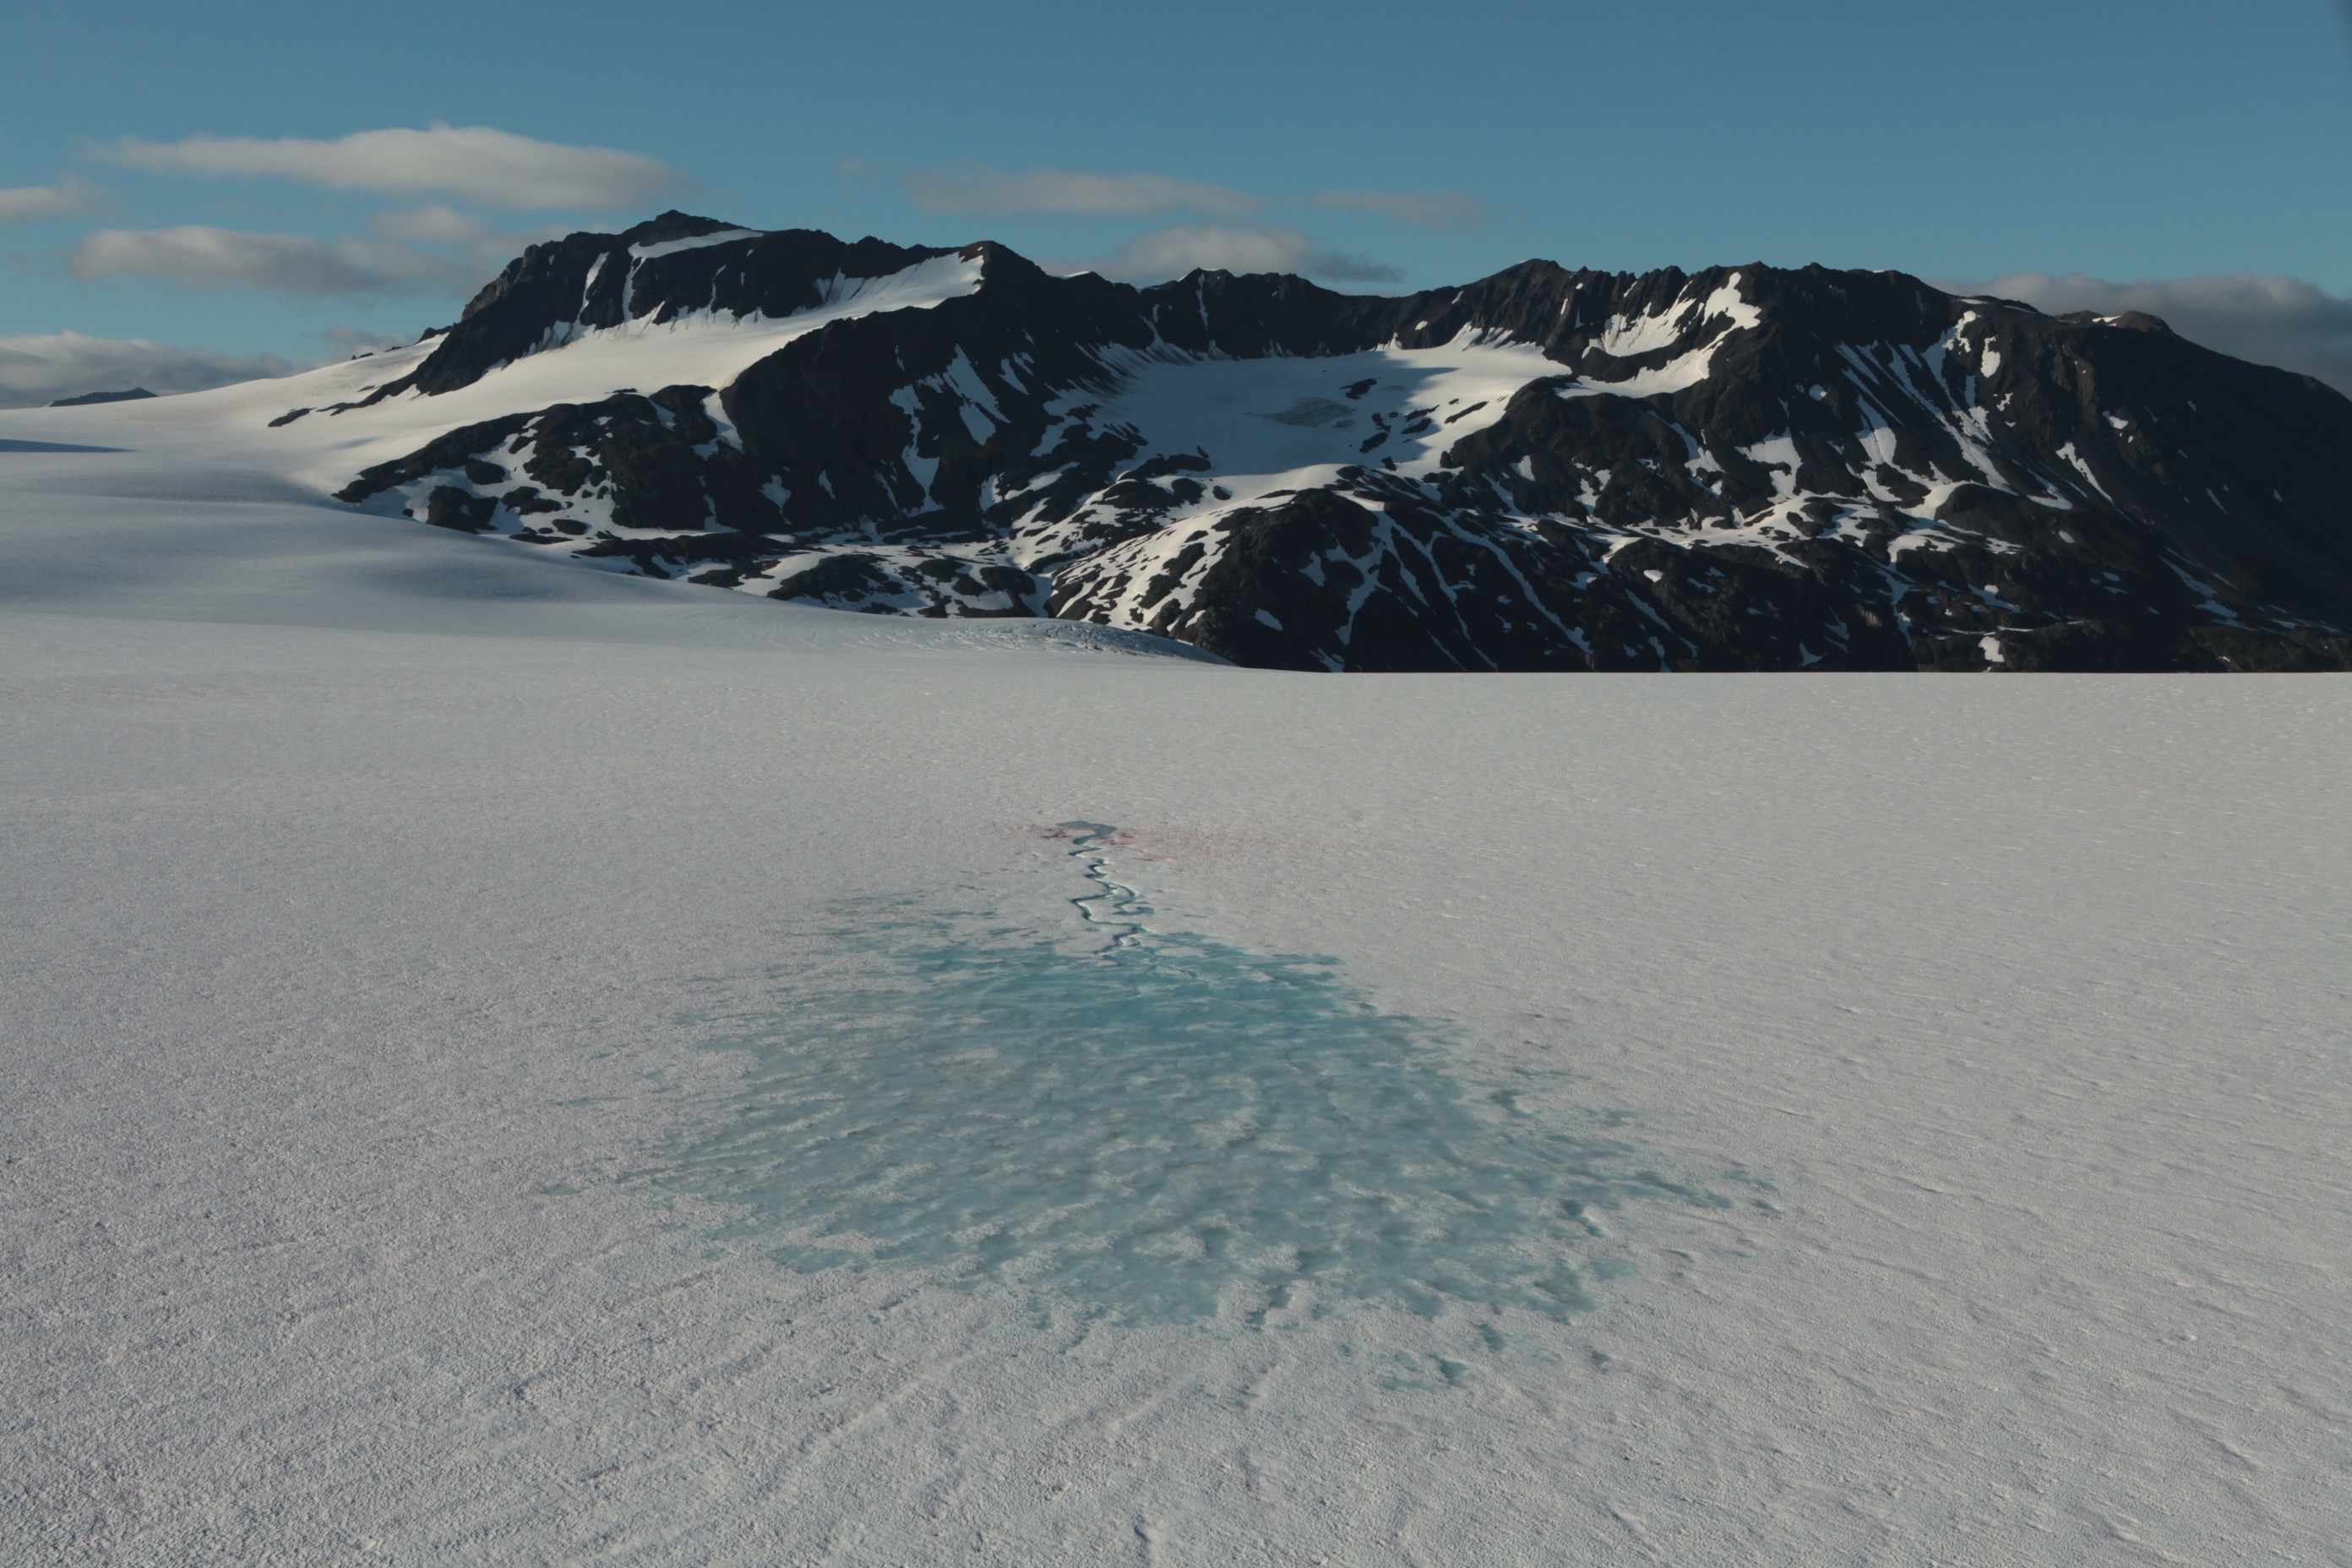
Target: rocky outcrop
x: 132, y: 395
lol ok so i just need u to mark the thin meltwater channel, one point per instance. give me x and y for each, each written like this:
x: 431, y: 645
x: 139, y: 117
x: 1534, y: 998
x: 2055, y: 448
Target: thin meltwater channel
x: 1161, y: 1127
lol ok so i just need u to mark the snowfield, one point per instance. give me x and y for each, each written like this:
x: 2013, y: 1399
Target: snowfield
x: 244, y: 427
x: 447, y: 991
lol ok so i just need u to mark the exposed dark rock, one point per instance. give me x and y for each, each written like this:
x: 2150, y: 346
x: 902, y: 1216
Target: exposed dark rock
x: 448, y: 507
x: 88, y: 398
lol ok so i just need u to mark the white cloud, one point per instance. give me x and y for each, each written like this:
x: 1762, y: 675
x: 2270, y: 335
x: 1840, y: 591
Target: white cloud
x: 423, y: 250
x: 1171, y: 252
x: 205, y: 257
x: 971, y: 188
x: 37, y: 370
x: 71, y: 196
x: 2270, y: 319
x: 1421, y: 210
x: 473, y: 162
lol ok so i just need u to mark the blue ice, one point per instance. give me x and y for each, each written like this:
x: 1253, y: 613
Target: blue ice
x: 1157, y: 1129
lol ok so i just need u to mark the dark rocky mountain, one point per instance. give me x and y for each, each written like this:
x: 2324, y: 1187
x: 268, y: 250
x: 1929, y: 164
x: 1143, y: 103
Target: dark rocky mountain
x: 1738, y: 469
x: 88, y: 398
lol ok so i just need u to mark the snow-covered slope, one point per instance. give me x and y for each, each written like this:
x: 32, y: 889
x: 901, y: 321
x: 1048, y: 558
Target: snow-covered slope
x: 1746, y: 468
x: 266, y: 426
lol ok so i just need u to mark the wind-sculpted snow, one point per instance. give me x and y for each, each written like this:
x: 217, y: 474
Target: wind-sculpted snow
x: 1161, y: 1127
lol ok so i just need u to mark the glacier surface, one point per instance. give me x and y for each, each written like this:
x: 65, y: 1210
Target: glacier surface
x: 417, y: 957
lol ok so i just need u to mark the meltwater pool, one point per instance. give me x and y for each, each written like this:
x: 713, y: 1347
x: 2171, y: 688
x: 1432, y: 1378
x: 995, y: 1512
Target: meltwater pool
x: 1160, y: 1127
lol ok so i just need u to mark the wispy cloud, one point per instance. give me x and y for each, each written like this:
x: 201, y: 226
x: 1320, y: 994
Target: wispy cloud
x: 1171, y: 252
x: 472, y: 162
x: 435, y: 225
x: 462, y: 232
x: 205, y: 257
x: 350, y: 343
x: 2270, y: 320
x: 972, y: 188
x: 37, y: 370
x: 71, y: 196
x: 1418, y: 209
x: 976, y: 189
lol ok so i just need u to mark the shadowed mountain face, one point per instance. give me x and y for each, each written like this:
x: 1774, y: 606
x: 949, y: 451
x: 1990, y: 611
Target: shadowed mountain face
x: 1739, y: 469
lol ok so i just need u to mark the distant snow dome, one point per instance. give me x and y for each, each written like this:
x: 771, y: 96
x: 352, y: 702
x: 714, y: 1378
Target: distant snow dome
x: 1161, y: 1129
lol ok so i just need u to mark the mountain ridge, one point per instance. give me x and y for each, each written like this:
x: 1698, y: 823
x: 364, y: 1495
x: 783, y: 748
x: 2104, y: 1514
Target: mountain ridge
x: 1738, y: 468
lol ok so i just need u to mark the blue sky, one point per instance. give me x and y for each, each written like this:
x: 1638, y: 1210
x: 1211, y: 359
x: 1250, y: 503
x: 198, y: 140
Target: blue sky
x: 2168, y: 145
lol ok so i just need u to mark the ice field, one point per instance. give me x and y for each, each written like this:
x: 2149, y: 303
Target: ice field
x: 509, y: 1063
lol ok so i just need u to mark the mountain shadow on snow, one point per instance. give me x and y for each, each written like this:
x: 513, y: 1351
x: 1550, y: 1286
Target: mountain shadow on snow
x: 1745, y: 468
